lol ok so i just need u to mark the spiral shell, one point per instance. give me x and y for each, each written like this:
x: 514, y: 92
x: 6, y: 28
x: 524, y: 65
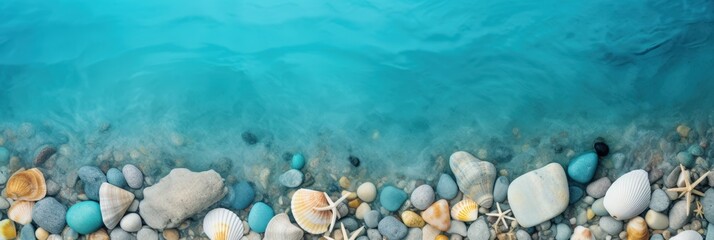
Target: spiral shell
x: 113, y: 202
x: 466, y: 210
x: 474, y: 177
x: 637, y: 229
x: 28, y: 185
x: 280, y: 228
x: 222, y: 224
x: 628, y: 196
x: 21, y: 212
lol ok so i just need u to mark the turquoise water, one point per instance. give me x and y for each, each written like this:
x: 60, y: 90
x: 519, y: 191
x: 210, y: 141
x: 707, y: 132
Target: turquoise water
x: 399, y: 84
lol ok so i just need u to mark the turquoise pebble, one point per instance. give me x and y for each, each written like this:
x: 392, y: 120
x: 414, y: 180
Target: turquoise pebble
x: 298, y: 161
x: 575, y: 194
x: 392, y: 198
x: 85, y: 217
x: 4, y: 156
x: 582, y: 168
x: 259, y: 216
x: 244, y: 194
x: 686, y: 159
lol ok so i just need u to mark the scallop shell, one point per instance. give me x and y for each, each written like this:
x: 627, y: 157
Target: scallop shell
x: 637, y: 229
x: 437, y: 215
x: 687, y: 235
x: 628, y: 196
x: 582, y: 233
x: 222, y: 224
x: 474, y: 177
x: 113, y: 202
x: 303, y: 207
x: 280, y: 228
x: 21, y: 212
x: 466, y: 210
x: 7, y: 229
x: 28, y: 185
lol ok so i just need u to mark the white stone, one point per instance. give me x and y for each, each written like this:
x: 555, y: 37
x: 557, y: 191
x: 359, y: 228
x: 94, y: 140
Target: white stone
x: 539, y: 195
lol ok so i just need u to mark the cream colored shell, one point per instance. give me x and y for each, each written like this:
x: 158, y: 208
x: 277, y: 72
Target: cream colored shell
x: 474, y: 177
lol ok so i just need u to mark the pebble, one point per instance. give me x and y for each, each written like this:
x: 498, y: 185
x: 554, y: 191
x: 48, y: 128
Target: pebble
x: 523, y: 235
x: 49, y: 214
x: 392, y: 228
x: 414, y: 234
x: 696, y: 150
x: 392, y: 198
x: 710, y: 231
x: 52, y: 187
x: 537, y: 195
x: 4, y: 156
x: 446, y: 187
x: 575, y: 194
x: 4, y: 204
x: 708, y: 204
x: 27, y: 232
x: 479, y: 230
x: 686, y: 159
x: 563, y: 232
x: 350, y: 223
x: 458, y: 227
x: 70, y: 234
x: 610, y: 225
x: 619, y: 160
x: 134, y: 177
x: 244, y: 195
x: 657, y: 221
x: 354, y: 161
x: 297, y: 161
x: 41, y: 234
x: 147, y: 234
x: 430, y: 232
x: 291, y: 179
x: 582, y: 168
x: 371, y: 218
x: 134, y: 207
x: 116, y: 178
x: 422, y: 197
x: 678, y: 215
x: 249, y: 138
x: 598, y: 188
x: 362, y: 210
x: 367, y: 192
x: 655, y: 174
x: 259, y: 216
x: 344, y: 182
x: 500, y: 189
x: 659, y: 201
x: 131, y: 222
x: 373, y: 234
x: 93, y: 178
x: 119, y: 234
x: 170, y: 234
x: 601, y: 149
x: 672, y: 177
x: 84, y: 217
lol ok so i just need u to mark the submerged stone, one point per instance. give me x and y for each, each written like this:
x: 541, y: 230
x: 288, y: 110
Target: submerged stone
x: 446, y: 187
x: 582, y: 168
x: 249, y: 138
x: 259, y: 217
x: 354, y: 160
x: 539, y: 195
x: 392, y: 198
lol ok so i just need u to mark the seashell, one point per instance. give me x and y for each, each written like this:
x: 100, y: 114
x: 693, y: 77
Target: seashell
x: 305, y: 206
x: 21, y: 212
x: 582, y: 233
x: 411, y: 219
x: 474, y: 177
x: 100, y: 234
x: 466, y: 210
x: 637, y: 229
x: 628, y: 196
x: 687, y: 235
x: 437, y: 215
x: 113, y: 202
x: 28, y: 185
x: 7, y: 229
x: 280, y: 228
x: 222, y: 224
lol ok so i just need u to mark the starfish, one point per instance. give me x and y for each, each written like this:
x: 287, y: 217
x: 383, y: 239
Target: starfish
x: 699, y: 211
x: 688, y: 188
x: 344, y: 233
x: 332, y: 206
x: 501, y: 216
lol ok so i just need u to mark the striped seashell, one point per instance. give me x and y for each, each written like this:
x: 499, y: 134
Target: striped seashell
x: 113, y: 202
x: 280, y: 228
x: 437, y: 215
x: 222, y: 224
x: 303, y: 207
x: 637, y: 229
x: 7, y: 229
x: 28, y: 185
x: 628, y: 196
x: 687, y: 235
x: 466, y: 210
x: 582, y: 233
x: 474, y: 177
x: 21, y: 212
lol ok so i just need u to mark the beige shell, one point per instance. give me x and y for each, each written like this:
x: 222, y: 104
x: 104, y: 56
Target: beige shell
x: 474, y: 177
x: 466, y: 210
x: 113, y: 203
x: 637, y: 229
x: 21, y: 212
x: 100, y: 234
x: 412, y: 220
x: 629, y: 195
x: 303, y: 207
x: 28, y: 185
x: 280, y: 228
x: 7, y: 229
x: 687, y: 235
x: 582, y: 233
x: 222, y: 224
x: 437, y: 215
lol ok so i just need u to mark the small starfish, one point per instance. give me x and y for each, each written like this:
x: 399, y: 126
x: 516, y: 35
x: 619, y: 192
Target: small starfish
x: 332, y: 207
x: 699, y: 211
x: 344, y: 233
x: 501, y: 216
x: 688, y: 188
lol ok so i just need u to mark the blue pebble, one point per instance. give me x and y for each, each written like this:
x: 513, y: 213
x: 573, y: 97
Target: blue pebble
x: 27, y: 232
x: 298, y: 161
x: 696, y: 150
x: 575, y: 194
x: 4, y: 156
x: 392, y: 198
x: 259, y: 216
x: 686, y: 159
x: 93, y: 177
x: 446, y: 188
x: 85, y: 217
x: 582, y: 168
x: 116, y: 178
x: 244, y: 195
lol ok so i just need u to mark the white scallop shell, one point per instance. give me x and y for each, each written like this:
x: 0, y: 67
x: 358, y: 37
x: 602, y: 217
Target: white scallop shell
x: 222, y: 224
x: 474, y: 177
x: 21, y: 212
x: 629, y: 195
x: 280, y: 228
x: 113, y: 203
x: 582, y: 233
x: 687, y: 235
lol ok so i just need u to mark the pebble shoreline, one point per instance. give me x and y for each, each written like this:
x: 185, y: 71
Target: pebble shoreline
x: 473, y: 200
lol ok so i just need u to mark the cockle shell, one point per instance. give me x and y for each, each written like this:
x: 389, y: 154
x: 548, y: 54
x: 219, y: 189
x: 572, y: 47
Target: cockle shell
x: 474, y: 177
x: 113, y: 202
x: 280, y: 228
x: 466, y: 210
x: 687, y: 235
x: 637, y: 229
x: 412, y: 220
x: 582, y: 233
x: 303, y: 206
x: 7, y: 229
x: 21, y: 212
x: 28, y: 185
x: 628, y: 196
x: 222, y: 224
x: 437, y: 215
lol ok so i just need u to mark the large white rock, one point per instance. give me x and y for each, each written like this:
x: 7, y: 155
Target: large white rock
x: 180, y: 195
x: 539, y: 195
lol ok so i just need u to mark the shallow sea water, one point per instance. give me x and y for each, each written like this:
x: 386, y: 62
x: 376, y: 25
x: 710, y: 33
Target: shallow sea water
x: 398, y: 84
